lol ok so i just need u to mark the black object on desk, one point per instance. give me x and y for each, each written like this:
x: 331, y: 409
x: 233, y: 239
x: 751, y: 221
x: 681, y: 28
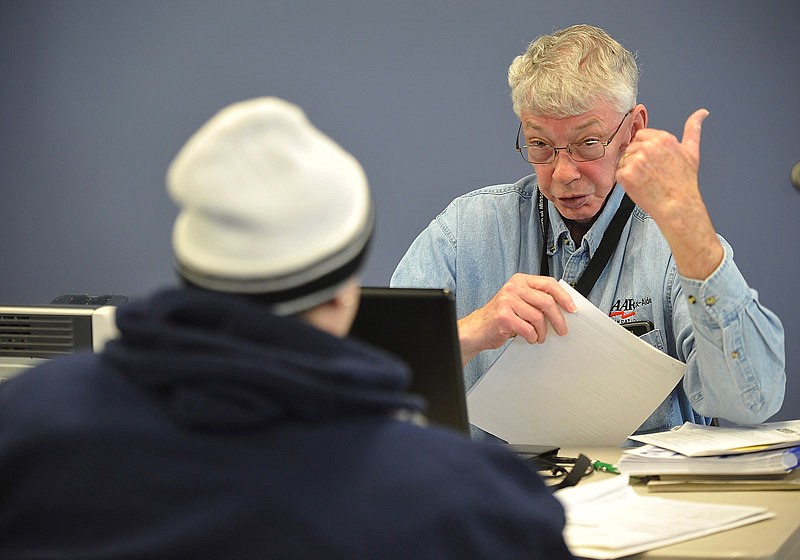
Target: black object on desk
x: 419, y: 326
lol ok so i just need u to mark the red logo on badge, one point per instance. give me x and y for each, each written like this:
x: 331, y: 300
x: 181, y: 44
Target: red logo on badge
x: 622, y: 314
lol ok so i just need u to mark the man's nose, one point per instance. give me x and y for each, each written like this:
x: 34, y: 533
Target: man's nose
x: 564, y: 168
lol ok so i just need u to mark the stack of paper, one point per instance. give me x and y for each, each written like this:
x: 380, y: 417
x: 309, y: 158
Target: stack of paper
x: 703, y: 458
x: 724, y: 483
x: 650, y: 460
x: 609, y: 520
x: 694, y: 440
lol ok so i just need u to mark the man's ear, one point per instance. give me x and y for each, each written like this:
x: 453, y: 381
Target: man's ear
x: 638, y: 120
x: 345, y: 298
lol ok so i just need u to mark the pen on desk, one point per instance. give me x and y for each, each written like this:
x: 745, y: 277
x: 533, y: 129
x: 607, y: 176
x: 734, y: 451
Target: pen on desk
x: 605, y: 467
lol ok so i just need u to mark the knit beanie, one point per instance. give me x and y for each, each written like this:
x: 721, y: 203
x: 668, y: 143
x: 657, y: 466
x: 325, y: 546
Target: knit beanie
x: 269, y: 206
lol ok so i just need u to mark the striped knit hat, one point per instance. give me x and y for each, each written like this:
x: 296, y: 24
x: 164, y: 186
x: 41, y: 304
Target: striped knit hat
x: 269, y: 206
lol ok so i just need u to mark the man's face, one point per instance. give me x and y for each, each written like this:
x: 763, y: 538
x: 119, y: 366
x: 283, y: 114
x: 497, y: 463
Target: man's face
x: 578, y: 189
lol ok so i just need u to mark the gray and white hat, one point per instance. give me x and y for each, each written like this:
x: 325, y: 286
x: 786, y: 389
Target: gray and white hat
x: 269, y: 206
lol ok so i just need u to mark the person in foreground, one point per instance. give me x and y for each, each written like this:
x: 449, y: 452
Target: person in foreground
x: 232, y: 417
x: 501, y: 249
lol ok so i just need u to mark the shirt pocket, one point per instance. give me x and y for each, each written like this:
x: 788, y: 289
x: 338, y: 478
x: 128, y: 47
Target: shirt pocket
x: 654, y: 338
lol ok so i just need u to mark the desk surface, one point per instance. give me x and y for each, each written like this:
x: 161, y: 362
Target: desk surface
x: 772, y: 539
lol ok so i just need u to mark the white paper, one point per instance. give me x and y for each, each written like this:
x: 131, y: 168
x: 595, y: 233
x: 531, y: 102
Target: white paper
x: 593, y: 386
x: 649, y: 460
x: 696, y: 440
x: 614, y: 521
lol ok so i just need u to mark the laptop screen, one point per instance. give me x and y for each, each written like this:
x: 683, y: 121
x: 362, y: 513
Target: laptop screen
x: 419, y: 326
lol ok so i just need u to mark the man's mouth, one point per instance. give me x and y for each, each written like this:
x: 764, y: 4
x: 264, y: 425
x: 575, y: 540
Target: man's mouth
x: 573, y: 202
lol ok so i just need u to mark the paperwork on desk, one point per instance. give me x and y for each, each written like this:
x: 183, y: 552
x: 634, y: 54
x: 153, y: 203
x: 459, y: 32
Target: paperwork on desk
x: 695, y: 440
x: 608, y: 519
x: 694, y: 458
x: 593, y: 386
x: 650, y: 460
x: 723, y: 483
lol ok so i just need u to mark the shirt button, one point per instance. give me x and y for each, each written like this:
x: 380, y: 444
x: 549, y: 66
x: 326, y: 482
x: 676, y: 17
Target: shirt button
x: 692, y: 299
x: 734, y: 355
x: 711, y: 300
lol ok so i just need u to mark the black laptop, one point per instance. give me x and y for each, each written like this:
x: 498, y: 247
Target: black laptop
x: 419, y: 326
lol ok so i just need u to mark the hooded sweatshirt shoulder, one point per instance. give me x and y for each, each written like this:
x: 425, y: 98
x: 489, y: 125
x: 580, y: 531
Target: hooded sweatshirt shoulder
x: 212, y: 430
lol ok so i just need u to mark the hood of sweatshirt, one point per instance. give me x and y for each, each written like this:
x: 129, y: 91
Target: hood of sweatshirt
x: 220, y: 362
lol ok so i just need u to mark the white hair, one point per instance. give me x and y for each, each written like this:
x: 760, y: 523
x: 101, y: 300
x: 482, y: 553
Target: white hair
x: 571, y: 72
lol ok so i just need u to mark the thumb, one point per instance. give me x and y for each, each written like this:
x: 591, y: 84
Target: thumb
x: 691, y: 131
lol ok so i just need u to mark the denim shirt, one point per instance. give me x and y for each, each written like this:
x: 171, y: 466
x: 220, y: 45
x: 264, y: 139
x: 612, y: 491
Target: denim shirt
x: 733, y: 346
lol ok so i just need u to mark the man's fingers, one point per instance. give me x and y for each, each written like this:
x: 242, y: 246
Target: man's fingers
x: 552, y: 288
x: 692, y: 130
x: 524, y: 306
x: 540, y: 307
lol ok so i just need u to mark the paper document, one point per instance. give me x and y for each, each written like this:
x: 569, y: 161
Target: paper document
x: 722, y: 483
x: 650, y: 460
x: 609, y: 519
x: 696, y: 440
x: 593, y: 386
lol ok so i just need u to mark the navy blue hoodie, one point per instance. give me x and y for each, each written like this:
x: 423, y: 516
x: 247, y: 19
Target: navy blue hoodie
x: 212, y: 429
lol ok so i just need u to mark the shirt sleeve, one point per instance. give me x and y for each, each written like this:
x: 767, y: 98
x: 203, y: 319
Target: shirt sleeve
x: 429, y: 261
x: 732, y: 345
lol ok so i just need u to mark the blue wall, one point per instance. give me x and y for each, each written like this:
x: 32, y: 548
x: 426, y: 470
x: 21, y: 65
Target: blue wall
x: 98, y: 96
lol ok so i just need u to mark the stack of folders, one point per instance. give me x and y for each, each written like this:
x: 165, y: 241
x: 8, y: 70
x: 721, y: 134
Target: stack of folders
x: 695, y: 458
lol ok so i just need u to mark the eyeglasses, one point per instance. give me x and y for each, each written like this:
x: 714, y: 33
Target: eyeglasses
x: 586, y: 150
x: 562, y: 472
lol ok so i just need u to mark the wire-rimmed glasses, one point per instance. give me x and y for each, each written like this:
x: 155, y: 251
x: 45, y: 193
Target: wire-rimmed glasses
x: 539, y: 152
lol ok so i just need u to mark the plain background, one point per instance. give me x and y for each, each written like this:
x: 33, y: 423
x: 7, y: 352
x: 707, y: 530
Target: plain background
x: 97, y: 96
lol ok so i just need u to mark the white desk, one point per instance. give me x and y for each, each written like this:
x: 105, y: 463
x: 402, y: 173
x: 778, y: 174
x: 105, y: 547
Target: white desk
x: 773, y: 539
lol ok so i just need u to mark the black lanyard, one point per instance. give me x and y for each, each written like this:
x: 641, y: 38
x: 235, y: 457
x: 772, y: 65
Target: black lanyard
x: 604, y: 251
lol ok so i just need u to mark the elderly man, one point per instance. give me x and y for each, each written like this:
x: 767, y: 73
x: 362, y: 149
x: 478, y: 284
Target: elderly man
x: 613, y: 208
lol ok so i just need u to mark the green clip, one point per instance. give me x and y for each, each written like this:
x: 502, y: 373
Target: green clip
x: 605, y: 467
